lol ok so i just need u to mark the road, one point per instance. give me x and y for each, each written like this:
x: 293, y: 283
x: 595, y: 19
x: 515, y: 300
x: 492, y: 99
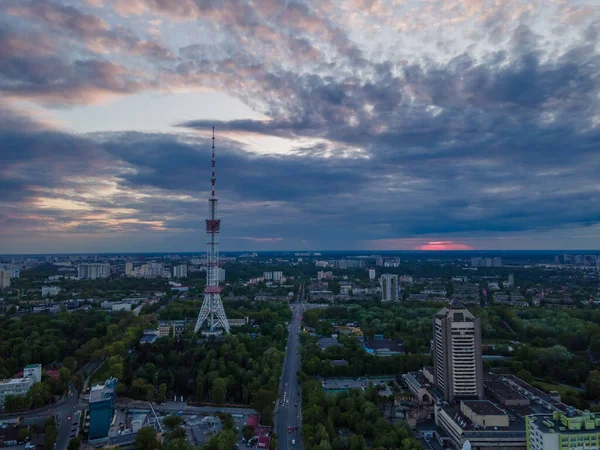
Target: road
x: 66, y: 410
x: 290, y: 406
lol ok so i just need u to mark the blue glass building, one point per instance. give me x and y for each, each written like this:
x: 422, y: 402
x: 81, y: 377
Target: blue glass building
x: 102, y: 408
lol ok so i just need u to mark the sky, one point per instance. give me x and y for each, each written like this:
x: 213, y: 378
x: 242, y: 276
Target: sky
x: 340, y: 124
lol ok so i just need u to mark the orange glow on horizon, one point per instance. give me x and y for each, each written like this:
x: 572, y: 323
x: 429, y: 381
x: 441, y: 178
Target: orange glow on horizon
x: 444, y: 245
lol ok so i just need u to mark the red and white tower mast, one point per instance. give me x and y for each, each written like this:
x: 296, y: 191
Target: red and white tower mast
x: 212, y: 313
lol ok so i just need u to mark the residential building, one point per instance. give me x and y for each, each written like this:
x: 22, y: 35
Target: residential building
x: 511, y: 280
x: 486, y: 262
x: 371, y: 274
x: 129, y: 269
x: 180, y: 271
x: 277, y: 276
x: 221, y: 275
x: 268, y: 276
x: 458, y: 365
x: 14, y: 386
x: 102, y: 408
x: 4, y: 279
x: 93, y: 271
x: 559, y: 431
x: 50, y: 291
x: 34, y: 371
x: 389, y: 287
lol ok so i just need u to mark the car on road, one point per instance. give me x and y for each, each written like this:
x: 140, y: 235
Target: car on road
x: 293, y: 442
x: 69, y: 418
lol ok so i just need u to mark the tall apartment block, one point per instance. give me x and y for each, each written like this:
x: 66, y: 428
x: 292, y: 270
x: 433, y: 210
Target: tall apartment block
x: 458, y: 365
x: 389, y: 287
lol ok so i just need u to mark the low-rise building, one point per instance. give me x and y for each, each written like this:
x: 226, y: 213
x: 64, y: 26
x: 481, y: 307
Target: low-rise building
x: 559, y: 431
x: 14, y: 386
x: 34, y: 371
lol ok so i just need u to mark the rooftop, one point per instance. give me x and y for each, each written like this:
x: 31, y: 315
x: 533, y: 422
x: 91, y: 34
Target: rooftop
x: 570, y: 423
x: 327, y: 342
x: 483, y: 407
x: 101, y: 392
x: 33, y: 366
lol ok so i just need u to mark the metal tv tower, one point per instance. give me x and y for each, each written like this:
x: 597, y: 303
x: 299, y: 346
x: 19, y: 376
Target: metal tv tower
x: 212, y: 313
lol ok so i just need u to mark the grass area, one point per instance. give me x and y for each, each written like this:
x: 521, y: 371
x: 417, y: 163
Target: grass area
x: 547, y: 387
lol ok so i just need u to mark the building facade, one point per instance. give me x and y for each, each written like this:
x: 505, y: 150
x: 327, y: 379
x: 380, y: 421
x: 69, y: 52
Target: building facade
x: 458, y: 365
x: 14, y: 386
x: 180, y: 271
x: 93, y: 271
x: 563, y: 431
x: 102, y: 408
x: 33, y: 371
x: 389, y: 287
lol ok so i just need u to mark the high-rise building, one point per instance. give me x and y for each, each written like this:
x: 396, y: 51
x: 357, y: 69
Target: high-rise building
x: 268, y: 275
x: 389, y: 287
x: 277, y: 276
x: 93, y: 271
x: 129, y: 269
x: 560, y: 431
x: 4, y: 279
x: 102, y: 408
x: 371, y: 274
x: 458, y: 365
x: 180, y: 271
x: 511, y: 280
x: 221, y: 275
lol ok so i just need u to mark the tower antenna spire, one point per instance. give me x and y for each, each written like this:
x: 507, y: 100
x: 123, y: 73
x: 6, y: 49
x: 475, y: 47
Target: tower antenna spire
x: 212, y: 312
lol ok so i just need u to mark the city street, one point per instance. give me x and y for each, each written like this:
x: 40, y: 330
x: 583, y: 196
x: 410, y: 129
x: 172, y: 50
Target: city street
x: 66, y: 410
x: 288, y: 419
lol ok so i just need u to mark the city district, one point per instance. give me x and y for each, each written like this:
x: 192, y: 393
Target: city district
x: 301, y: 350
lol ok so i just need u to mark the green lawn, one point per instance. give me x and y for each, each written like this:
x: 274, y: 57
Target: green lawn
x: 547, y: 387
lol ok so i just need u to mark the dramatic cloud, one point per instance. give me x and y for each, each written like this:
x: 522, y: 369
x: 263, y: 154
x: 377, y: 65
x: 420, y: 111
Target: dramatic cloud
x: 383, y: 124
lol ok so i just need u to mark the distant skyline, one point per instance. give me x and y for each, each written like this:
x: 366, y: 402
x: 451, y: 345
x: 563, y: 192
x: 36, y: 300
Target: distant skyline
x: 355, y: 124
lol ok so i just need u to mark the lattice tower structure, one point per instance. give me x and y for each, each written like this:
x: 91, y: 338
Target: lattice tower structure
x: 212, y: 314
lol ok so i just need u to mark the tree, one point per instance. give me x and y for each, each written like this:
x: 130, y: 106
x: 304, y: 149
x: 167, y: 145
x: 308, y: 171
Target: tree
x: 64, y: 375
x: 219, y: 390
x: 74, y: 443
x: 50, y: 433
x: 592, y: 385
x: 70, y: 363
x: 172, y: 421
x: 39, y: 394
x: 146, y: 439
x: 162, y: 393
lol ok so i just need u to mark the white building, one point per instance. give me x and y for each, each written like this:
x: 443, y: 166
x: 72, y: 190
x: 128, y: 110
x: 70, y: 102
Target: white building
x: 93, y: 271
x: 277, y: 275
x: 268, y: 275
x: 180, y: 271
x: 458, y: 366
x: 129, y: 269
x: 389, y: 287
x: 120, y: 307
x: 50, y: 291
x: 14, y: 386
x: 34, y: 371
x: 511, y: 280
x: 371, y: 274
x: 221, y: 275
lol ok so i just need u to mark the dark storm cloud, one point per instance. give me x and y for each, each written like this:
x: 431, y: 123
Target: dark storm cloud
x: 507, y: 140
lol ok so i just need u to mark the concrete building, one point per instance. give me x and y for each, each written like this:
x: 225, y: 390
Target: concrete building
x: 129, y: 269
x: 371, y: 274
x: 458, y: 366
x: 562, y: 431
x: 180, y: 271
x: 277, y: 276
x: 221, y: 275
x: 14, y: 386
x: 50, y: 291
x: 33, y: 371
x: 389, y: 287
x: 93, y: 271
x: 268, y: 276
x: 102, y: 408
x: 511, y: 280
x: 4, y: 279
